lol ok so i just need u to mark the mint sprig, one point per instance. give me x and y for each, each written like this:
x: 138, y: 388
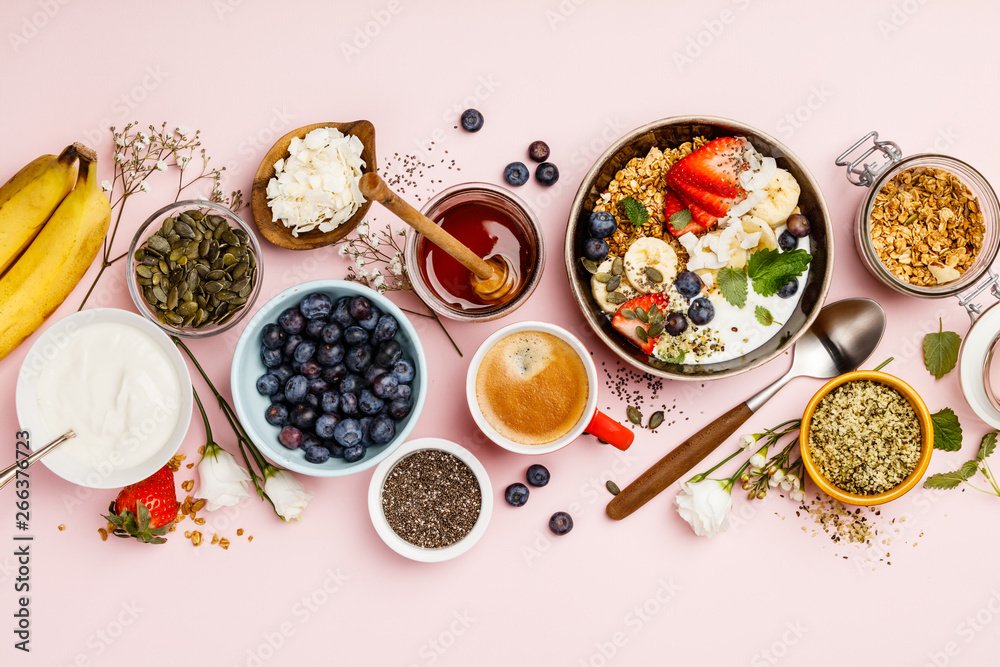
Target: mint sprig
x: 770, y: 270
x: 679, y: 220
x: 634, y: 211
x: 947, y: 430
x: 941, y: 351
x: 733, y: 285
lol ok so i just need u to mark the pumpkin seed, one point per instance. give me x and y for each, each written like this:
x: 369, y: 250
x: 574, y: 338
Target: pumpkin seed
x: 144, y: 271
x: 602, y: 277
x: 589, y: 265
x: 641, y: 314
x: 655, y: 329
x: 159, y: 244
x: 628, y: 313
x: 653, y: 274
x: 617, y: 266
x: 655, y: 419
x: 653, y: 310
x: 616, y: 298
x: 640, y: 333
x: 614, y: 283
x: 634, y: 415
x: 613, y: 488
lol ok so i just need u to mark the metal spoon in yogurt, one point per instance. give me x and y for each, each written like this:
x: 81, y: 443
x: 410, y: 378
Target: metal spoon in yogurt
x: 10, y: 472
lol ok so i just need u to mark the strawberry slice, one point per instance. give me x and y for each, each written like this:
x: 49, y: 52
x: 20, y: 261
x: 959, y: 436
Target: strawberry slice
x: 627, y: 325
x: 698, y: 224
x: 709, y: 177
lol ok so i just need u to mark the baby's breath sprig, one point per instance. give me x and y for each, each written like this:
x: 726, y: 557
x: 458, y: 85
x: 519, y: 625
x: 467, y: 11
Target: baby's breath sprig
x: 378, y: 263
x: 141, y: 153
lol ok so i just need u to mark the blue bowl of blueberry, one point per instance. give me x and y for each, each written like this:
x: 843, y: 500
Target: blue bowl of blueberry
x: 329, y: 378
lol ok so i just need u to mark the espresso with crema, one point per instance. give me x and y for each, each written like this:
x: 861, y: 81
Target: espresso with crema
x: 532, y: 387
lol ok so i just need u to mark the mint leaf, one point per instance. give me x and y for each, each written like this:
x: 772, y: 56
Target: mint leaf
x: 680, y: 220
x: 947, y: 430
x: 969, y: 468
x: 679, y: 359
x: 733, y: 285
x: 770, y: 270
x: 763, y: 316
x: 941, y: 351
x: 634, y: 211
x: 986, y: 447
x: 945, y: 480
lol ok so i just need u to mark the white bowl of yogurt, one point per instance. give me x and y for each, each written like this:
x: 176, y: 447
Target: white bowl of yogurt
x: 119, y: 383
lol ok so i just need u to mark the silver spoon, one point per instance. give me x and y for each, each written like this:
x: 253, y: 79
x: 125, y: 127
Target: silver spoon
x: 843, y: 336
x: 10, y: 472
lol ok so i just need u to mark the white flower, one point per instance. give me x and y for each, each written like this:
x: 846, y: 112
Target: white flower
x: 360, y: 262
x: 343, y: 250
x: 363, y: 229
x: 705, y: 505
x: 379, y: 282
x: 798, y: 495
x: 182, y: 162
x: 401, y: 231
x: 138, y: 146
x: 794, y: 481
x: 786, y: 485
x: 119, y: 142
x: 747, y: 440
x: 778, y: 475
x: 144, y: 186
x: 106, y: 186
x: 286, y: 492
x: 374, y: 241
x: 183, y: 131
x: 142, y: 137
x: 119, y: 158
x: 758, y: 460
x: 161, y: 165
x: 221, y: 480
x: 395, y: 267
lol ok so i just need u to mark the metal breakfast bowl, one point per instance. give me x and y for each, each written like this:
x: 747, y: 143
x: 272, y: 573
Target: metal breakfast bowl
x: 671, y: 132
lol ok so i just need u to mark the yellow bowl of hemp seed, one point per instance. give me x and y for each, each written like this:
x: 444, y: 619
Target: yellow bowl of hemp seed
x: 866, y: 438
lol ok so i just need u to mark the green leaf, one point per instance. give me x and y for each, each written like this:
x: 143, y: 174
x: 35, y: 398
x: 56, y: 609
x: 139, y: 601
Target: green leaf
x: 680, y: 220
x: 770, y: 270
x: 763, y: 316
x: 947, y: 430
x: 941, y: 351
x: 944, y: 480
x: 679, y: 359
x: 733, y: 285
x: 634, y: 211
x: 986, y: 447
x: 969, y: 468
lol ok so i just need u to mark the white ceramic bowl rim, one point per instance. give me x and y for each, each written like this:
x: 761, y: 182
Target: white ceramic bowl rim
x: 491, y: 433
x: 397, y: 543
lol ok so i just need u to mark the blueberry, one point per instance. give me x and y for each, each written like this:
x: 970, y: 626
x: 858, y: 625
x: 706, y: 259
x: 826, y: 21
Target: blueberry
x: 290, y: 437
x: 383, y: 430
x: 268, y: 384
x: 291, y: 343
x: 369, y: 403
x: 538, y: 151
x: 348, y: 432
x: 547, y: 174
x: 325, y: 425
x: 472, y: 120
x: 360, y: 308
x: 283, y: 372
x: 316, y: 306
x: 313, y: 328
x: 798, y: 225
x: 310, y: 439
x: 334, y: 374
x: 330, y: 354
x: 312, y: 369
x: 272, y: 336
x: 276, y: 414
x: 303, y: 416
x: 329, y: 401
x: 561, y: 523
x: 331, y: 333
x: 789, y: 289
x: 788, y: 241
x: 296, y: 388
x: 516, y: 174
x: 348, y: 404
x: 278, y: 397
x: 701, y: 311
x: 516, y: 494
x: 386, y: 328
x: 366, y: 426
x: 304, y: 352
x: 369, y: 323
x: 317, y: 454
x: 292, y: 320
x: 398, y: 408
x: 596, y: 249
x: 373, y: 372
x: 538, y: 475
x: 336, y: 449
x: 358, y: 358
x: 312, y: 400
x: 271, y: 358
x: 385, y: 385
x: 351, y: 384
x: 355, y: 336
x: 319, y: 386
x: 601, y: 224
x: 403, y: 392
x: 688, y: 284
x: 404, y: 371
x: 676, y: 324
x: 388, y: 354
x: 355, y: 453
x: 342, y: 312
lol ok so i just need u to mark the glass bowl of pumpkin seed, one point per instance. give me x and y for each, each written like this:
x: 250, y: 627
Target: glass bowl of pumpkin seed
x: 194, y: 268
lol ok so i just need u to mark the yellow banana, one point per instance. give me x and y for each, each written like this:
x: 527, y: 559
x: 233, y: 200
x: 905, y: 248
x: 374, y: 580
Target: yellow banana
x: 29, y: 198
x: 56, y: 260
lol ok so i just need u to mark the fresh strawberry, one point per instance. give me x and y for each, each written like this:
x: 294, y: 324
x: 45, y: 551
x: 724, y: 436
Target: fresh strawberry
x: 709, y: 177
x: 626, y: 324
x: 147, y: 509
x: 699, y: 223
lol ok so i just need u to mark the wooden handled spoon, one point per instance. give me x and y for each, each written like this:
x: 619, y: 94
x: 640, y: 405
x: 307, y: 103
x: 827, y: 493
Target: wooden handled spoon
x: 493, y: 279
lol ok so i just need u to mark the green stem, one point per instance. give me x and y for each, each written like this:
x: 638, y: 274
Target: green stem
x: 204, y: 417
x: 413, y: 312
x: 989, y: 493
x: 703, y: 475
x: 883, y: 364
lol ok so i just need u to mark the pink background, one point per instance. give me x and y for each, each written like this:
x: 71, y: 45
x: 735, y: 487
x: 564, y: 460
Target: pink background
x: 578, y: 75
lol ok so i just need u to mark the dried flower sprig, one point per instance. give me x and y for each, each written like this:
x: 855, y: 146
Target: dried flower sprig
x: 141, y: 153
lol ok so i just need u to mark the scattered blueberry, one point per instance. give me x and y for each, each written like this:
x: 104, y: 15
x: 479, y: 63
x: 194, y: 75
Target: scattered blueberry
x: 330, y: 354
x: 296, y: 388
x: 369, y: 403
x: 516, y: 174
x: 788, y: 241
x: 561, y: 523
x: 601, y: 224
x: 547, y: 174
x: 316, y: 306
x: 404, y: 371
x: 688, y: 284
x: 273, y: 336
x: 348, y: 432
x: 329, y: 402
x: 798, y: 225
x: 789, y: 289
x: 398, y: 408
x: 303, y: 416
x: 538, y: 151
x: 383, y: 430
x: 305, y: 351
x: 276, y: 414
x: 268, y: 384
x: 331, y: 333
x: 472, y: 120
x: 317, y: 454
x: 385, y: 385
x: 290, y: 437
x: 386, y: 328
x: 388, y: 354
x: 271, y: 358
x: 538, y: 475
x: 325, y: 425
x: 676, y: 324
x: 596, y: 249
x: 292, y: 320
x: 355, y: 336
x: 701, y: 311
x: 516, y: 494
x: 355, y: 453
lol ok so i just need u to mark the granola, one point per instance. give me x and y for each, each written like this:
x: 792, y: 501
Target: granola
x: 926, y: 226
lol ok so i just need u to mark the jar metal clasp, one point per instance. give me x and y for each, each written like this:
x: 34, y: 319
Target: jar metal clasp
x: 863, y: 173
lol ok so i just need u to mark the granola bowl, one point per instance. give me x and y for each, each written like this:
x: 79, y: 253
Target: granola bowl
x: 673, y: 133
x: 814, y: 460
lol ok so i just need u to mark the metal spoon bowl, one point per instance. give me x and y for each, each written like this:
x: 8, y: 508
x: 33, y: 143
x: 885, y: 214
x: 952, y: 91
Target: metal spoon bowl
x: 843, y: 336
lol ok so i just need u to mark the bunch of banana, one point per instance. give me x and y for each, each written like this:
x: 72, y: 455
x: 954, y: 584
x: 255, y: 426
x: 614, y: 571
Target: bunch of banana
x: 50, y: 233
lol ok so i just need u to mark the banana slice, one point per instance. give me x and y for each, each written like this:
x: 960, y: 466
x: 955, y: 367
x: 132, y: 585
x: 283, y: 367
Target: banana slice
x: 648, y: 256
x: 600, y: 289
x: 782, y: 198
x: 752, y: 225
